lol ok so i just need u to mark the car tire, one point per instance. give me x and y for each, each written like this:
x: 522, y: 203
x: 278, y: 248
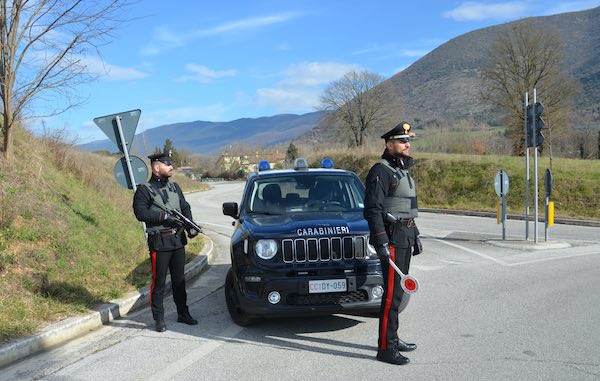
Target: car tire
x: 238, y: 315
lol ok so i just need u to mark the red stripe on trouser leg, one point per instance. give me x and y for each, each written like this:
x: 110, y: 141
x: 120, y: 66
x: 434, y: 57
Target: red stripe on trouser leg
x: 153, y: 260
x: 388, y: 300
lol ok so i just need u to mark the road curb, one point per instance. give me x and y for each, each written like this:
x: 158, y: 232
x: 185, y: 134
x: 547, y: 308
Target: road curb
x: 68, y: 329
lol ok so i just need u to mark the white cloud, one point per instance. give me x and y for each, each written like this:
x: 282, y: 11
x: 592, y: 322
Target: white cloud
x: 202, y: 74
x: 315, y: 73
x: 111, y: 72
x: 477, y: 11
x: 164, y: 38
x: 287, y: 99
x: 302, y: 85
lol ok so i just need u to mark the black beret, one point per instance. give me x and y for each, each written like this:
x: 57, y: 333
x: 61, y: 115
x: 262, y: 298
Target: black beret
x: 401, y: 131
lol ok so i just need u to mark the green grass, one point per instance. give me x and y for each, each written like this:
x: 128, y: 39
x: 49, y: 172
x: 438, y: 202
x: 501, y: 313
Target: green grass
x: 466, y: 182
x: 68, y: 236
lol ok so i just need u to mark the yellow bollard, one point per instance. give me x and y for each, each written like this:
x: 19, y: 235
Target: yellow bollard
x: 498, y: 212
x: 550, y: 213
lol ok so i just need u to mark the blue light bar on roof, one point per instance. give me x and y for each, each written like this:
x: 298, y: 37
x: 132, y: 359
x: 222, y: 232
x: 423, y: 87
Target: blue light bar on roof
x: 264, y: 165
x: 327, y: 163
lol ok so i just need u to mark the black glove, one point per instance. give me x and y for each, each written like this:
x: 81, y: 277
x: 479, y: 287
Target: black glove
x: 418, y: 247
x: 172, y: 221
x: 383, y: 251
x: 192, y: 233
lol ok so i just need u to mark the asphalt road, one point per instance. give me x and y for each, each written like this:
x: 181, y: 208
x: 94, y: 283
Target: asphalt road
x: 487, y: 309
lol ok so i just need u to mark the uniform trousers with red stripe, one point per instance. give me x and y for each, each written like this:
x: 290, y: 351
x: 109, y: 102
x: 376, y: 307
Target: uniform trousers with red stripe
x: 392, y: 295
x: 174, y: 262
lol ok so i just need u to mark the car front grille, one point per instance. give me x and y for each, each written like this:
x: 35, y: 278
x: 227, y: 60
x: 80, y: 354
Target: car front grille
x: 328, y: 299
x: 324, y: 249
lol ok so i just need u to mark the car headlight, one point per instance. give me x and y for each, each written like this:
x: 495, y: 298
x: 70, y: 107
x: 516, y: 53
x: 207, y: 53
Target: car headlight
x: 265, y: 248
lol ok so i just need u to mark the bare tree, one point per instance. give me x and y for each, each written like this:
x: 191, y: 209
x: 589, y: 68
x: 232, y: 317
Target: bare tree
x: 44, y: 45
x: 357, y: 101
x: 523, y: 58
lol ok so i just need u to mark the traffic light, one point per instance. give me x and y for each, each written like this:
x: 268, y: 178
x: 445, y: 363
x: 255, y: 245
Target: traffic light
x: 534, y: 112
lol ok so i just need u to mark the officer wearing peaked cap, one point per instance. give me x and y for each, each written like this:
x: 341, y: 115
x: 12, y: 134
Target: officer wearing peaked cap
x: 390, y: 188
x: 166, y: 239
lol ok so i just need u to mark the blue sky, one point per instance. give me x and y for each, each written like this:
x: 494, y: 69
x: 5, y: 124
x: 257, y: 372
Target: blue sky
x: 224, y: 60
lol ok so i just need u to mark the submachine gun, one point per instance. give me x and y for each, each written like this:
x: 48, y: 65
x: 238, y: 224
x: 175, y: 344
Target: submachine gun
x: 182, y: 220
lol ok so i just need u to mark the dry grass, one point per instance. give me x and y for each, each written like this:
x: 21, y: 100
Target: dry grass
x: 68, y: 237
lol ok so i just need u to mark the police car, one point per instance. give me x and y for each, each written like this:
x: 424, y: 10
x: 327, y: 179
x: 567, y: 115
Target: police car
x: 301, y: 246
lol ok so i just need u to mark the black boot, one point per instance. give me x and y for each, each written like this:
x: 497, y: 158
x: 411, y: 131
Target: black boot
x: 392, y: 356
x: 160, y: 325
x: 404, y: 347
x: 186, y: 318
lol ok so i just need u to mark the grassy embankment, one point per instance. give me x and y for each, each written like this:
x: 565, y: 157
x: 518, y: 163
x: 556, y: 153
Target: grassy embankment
x: 466, y: 182
x: 68, y: 237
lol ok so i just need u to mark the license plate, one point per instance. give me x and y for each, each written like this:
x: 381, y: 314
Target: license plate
x: 327, y: 285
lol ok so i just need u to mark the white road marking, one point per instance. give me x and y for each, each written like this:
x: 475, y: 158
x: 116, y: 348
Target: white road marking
x: 208, y: 223
x: 502, y: 263
x: 204, y: 349
x: 591, y: 251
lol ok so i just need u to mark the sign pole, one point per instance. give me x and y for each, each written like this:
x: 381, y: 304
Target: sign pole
x: 535, y: 171
x: 526, y: 171
x: 501, y: 184
x: 128, y: 160
x: 502, y: 205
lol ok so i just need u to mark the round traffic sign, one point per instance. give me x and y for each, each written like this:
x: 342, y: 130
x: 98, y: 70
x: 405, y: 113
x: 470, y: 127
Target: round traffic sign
x: 138, y: 167
x: 501, y: 183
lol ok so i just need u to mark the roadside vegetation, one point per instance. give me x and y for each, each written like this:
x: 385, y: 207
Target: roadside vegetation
x: 68, y: 236
x: 466, y: 181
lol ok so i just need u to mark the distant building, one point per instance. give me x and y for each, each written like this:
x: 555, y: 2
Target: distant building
x: 188, y: 171
x: 231, y: 163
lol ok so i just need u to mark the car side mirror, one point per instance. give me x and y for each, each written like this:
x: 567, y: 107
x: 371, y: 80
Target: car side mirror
x: 230, y: 209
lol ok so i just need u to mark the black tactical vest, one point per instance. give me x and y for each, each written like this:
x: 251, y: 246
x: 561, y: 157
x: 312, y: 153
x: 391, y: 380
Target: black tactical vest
x: 401, y: 201
x: 172, y: 203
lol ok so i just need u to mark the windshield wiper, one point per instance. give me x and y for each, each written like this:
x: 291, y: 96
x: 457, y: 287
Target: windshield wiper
x: 265, y: 213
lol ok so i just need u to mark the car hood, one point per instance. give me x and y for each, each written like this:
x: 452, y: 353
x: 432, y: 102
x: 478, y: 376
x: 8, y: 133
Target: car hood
x: 306, y: 225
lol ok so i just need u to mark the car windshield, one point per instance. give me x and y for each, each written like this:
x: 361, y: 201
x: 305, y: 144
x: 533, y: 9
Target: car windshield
x: 305, y: 193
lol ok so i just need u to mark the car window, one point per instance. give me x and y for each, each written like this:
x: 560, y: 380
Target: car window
x: 305, y: 193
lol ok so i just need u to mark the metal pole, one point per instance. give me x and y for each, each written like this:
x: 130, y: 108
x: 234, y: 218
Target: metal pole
x: 503, y: 207
x: 535, y: 169
x: 546, y: 221
x: 126, y: 152
x: 526, y: 172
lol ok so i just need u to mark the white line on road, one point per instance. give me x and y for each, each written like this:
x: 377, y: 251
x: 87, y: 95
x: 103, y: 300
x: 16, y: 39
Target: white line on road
x: 592, y: 251
x: 502, y: 263
x: 193, y: 357
x: 208, y: 223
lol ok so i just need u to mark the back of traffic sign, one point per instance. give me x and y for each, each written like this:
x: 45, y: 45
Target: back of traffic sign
x: 138, y: 167
x: 129, y: 121
x: 501, y: 183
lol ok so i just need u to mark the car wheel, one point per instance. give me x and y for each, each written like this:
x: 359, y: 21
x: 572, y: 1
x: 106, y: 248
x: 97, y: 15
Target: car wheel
x: 238, y: 315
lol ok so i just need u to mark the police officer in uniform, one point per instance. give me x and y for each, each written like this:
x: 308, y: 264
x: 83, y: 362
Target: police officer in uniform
x: 391, y: 189
x: 166, y: 237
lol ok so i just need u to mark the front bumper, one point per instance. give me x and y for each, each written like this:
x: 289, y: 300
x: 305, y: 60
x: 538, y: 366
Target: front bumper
x: 296, y: 300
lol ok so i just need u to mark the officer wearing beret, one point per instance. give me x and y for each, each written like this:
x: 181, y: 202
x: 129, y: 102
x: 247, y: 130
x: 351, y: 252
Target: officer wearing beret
x: 166, y: 237
x: 391, y: 189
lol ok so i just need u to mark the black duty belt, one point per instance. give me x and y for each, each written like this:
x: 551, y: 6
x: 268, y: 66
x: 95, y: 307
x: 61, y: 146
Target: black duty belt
x: 168, y: 231
x: 408, y: 222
